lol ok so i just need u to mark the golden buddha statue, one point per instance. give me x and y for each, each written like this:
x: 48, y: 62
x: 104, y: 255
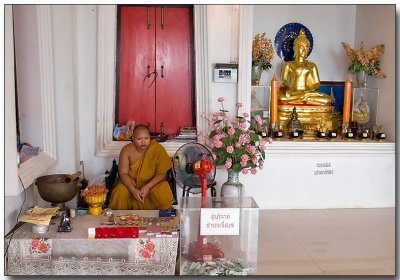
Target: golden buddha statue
x: 302, y: 80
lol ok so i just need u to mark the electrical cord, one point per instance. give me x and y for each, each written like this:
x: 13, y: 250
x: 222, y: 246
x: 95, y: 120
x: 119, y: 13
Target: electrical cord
x: 15, y: 228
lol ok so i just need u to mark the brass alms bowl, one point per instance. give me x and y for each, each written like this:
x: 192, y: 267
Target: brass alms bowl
x: 55, y: 188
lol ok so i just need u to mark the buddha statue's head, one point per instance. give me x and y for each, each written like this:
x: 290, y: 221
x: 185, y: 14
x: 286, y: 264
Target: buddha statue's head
x: 301, y: 40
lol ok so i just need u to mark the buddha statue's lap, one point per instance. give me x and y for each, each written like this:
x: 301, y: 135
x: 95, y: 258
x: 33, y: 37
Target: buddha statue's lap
x: 302, y: 80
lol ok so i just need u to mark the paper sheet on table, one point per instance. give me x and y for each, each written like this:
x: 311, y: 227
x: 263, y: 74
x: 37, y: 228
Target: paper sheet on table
x: 39, y: 216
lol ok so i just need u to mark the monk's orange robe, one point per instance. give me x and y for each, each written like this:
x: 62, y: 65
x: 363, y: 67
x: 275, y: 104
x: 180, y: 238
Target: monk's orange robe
x: 154, y: 161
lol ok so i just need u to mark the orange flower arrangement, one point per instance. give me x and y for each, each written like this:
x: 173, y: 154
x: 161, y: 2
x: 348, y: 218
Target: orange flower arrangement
x: 362, y: 60
x: 262, y: 52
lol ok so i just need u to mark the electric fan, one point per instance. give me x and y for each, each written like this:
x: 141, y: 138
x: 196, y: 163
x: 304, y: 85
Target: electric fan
x: 194, y: 164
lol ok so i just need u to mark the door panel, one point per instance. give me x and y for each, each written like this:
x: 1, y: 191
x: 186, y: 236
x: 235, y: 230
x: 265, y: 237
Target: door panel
x: 137, y: 51
x: 174, y: 90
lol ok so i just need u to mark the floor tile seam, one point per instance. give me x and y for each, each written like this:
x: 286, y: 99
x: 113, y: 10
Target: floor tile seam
x: 305, y: 251
x: 373, y: 254
x: 351, y: 238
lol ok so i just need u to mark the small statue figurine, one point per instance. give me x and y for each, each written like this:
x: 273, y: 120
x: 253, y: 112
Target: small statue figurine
x: 321, y: 133
x: 294, y: 125
x: 361, y: 111
x: 65, y: 223
x: 378, y: 132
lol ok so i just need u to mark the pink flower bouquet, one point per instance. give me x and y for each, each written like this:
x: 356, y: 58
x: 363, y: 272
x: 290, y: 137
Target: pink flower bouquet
x: 233, y: 143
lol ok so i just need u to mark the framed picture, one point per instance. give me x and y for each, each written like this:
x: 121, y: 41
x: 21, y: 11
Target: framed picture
x: 335, y: 89
x: 260, y: 96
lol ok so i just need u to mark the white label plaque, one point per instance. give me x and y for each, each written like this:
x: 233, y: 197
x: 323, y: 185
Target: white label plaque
x: 219, y: 221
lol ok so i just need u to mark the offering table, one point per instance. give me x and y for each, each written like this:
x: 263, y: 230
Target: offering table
x: 73, y: 253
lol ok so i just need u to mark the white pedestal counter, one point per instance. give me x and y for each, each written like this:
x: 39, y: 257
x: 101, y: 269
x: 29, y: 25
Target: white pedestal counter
x: 315, y: 175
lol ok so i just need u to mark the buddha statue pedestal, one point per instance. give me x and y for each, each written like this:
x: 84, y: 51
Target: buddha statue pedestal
x: 310, y: 116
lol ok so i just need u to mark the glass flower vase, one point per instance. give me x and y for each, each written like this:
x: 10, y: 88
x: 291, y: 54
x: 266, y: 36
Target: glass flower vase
x: 256, y: 72
x: 232, y: 187
x: 362, y: 79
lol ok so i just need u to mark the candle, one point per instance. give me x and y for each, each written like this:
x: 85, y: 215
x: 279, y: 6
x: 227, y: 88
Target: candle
x: 274, y: 100
x: 346, y: 102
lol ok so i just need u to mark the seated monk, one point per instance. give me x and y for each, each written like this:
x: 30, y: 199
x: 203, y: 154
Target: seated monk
x: 301, y: 77
x: 142, y: 168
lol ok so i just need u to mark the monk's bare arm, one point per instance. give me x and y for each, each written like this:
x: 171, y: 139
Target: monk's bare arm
x: 123, y: 169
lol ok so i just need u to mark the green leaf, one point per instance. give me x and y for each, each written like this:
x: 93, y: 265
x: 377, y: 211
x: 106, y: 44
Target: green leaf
x: 212, y: 134
x: 236, y: 167
x: 254, y: 137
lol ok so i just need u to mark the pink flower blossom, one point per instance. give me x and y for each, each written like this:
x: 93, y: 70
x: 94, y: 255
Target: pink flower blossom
x: 244, y: 157
x: 246, y: 115
x: 202, y: 114
x: 258, y: 119
x: 218, y: 136
x: 228, y: 164
x: 214, y: 156
x: 252, y: 149
x: 229, y: 149
x: 218, y: 144
x: 270, y: 140
x: 245, y: 171
x: 231, y: 131
x: 221, y: 99
x: 242, y: 126
x: 238, y: 145
x: 243, y: 163
x: 210, y: 123
x: 239, y: 105
x: 214, y: 118
x: 253, y: 171
x: 199, y: 133
x: 225, y: 119
x: 244, y: 138
x: 254, y: 160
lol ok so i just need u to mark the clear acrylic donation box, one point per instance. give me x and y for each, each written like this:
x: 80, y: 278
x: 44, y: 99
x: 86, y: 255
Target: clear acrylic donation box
x: 218, y: 236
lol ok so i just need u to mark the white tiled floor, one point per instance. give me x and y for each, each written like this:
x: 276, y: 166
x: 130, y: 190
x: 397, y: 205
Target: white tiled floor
x: 327, y: 242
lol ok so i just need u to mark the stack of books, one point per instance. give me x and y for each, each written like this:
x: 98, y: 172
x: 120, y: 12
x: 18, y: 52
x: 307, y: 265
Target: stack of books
x: 187, y: 133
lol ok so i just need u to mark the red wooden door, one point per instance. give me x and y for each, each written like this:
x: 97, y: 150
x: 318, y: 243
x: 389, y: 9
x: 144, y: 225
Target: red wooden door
x: 136, y: 98
x: 164, y: 48
x: 173, y: 60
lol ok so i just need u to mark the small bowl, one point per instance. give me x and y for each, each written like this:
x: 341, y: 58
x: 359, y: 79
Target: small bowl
x: 95, y: 202
x: 81, y: 211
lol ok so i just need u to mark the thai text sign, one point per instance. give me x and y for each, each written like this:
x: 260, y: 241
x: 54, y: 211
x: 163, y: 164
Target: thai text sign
x: 219, y: 221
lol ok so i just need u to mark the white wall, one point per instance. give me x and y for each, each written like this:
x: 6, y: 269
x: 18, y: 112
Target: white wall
x: 376, y: 25
x: 291, y: 181
x: 27, y: 74
x: 220, y: 36
x: 328, y: 24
